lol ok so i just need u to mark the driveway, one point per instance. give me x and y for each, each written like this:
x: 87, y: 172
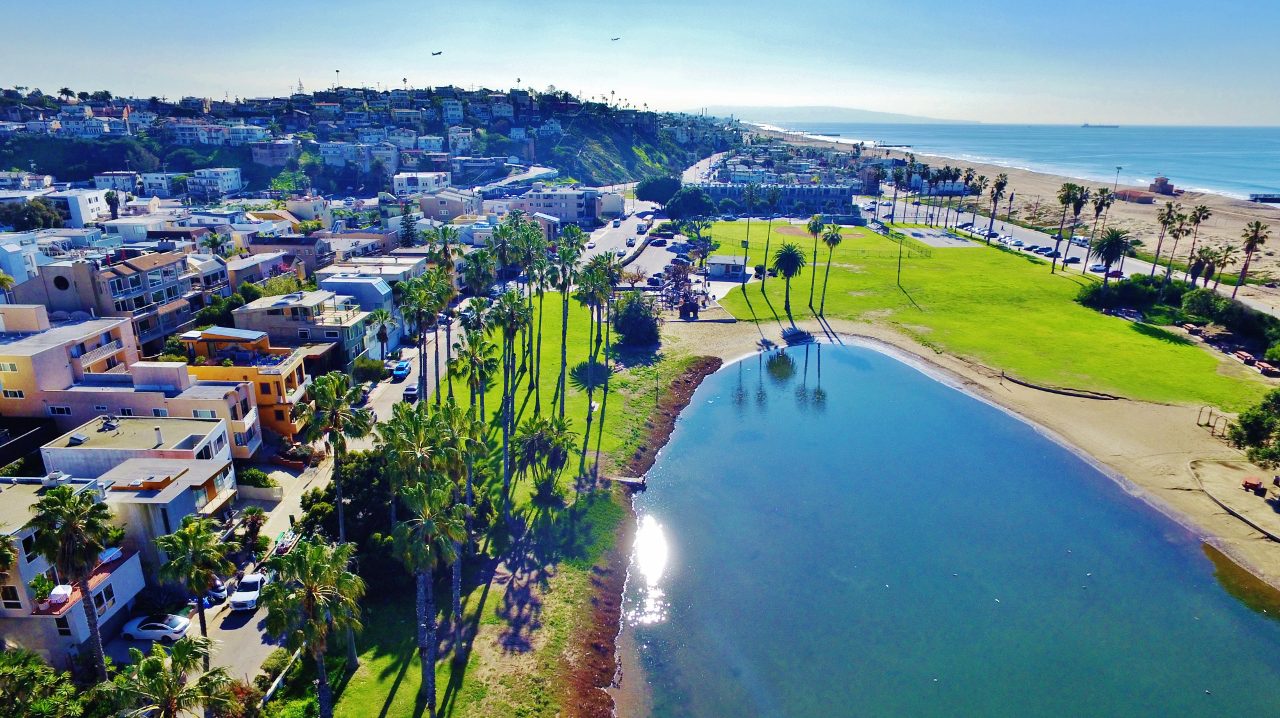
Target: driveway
x: 240, y: 644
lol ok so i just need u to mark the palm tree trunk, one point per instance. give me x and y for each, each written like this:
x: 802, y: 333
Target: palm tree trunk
x: 204, y: 627
x: 787, y: 302
x: 448, y: 347
x: 337, y: 496
x: 1156, y: 259
x: 95, y: 633
x: 324, y: 694
x: 1248, y: 257
x: 564, y: 346
x: 992, y: 222
x: 822, y: 306
x: 768, y: 237
x: 508, y: 396
x: 813, y: 276
x: 353, y: 656
x: 422, y: 359
x: 457, y: 599
x: 426, y: 609
x: 537, y: 361
x: 435, y: 340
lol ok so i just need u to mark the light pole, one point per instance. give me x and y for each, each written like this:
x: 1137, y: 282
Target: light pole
x: 1116, y: 184
x: 337, y: 79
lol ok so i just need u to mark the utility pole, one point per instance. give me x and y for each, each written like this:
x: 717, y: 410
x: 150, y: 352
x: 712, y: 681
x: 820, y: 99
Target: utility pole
x: 1116, y: 184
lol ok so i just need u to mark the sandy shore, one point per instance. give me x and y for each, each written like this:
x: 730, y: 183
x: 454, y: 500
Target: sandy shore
x: 1229, y: 215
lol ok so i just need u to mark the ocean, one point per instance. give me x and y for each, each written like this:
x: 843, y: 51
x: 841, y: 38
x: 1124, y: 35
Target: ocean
x: 1231, y: 161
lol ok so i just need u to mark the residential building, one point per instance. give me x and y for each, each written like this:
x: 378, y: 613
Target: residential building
x: 80, y: 206
x: 214, y: 182
x: 276, y: 374
x: 58, y: 632
x: 449, y: 203
x: 726, y: 267
x: 407, y: 183
x: 238, y: 135
x: 18, y: 179
x: 210, y: 278
x: 566, y: 204
x: 255, y: 268
x: 121, y: 181
x: 310, y: 317
x: 152, y: 290
x: 430, y: 143
x: 390, y: 269
x: 100, y: 445
x: 459, y: 140
x: 276, y: 153
x: 159, y: 184
x: 371, y: 293
x: 134, y: 229
x: 311, y: 208
x: 311, y: 251
x: 451, y: 110
x: 20, y: 255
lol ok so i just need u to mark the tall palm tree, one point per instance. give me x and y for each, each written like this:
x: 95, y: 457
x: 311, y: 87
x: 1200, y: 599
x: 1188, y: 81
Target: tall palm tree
x: 788, y: 261
x: 1177, y: 232
x: 314, y: 592
x: 196, y: 556
x: 749, y: 194
x: 997, y: 193
x: 422, y: 542
x: 384, y: 322
x: 540, y: 272
x: 542, y: 448
x: 968, y: 176
x: 1167, y: 216
x: 159, y: 685
x: 1068, y: 193
x: 479, y: 271
x: 1227, y: 256
x: 510, y: 315
x: 1102, y: 199
x: 1199, y: 215
x: 1255, y: 235
x: 1110, y: 248
x: 980, y: 184
x: 332, y: 415
x: 815, y: 229
x: 418, y: 301
x: 216, y: 243
x: 832, y: 238
x: 71, y: 529
x: 476, y: 364
x: 1078, y: 203
x: 899, y: 177
x: 440, y: 288
x: 568, y: 253
x: 771, y: 197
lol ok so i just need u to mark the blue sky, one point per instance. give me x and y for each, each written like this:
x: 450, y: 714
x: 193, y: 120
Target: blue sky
x: 1174, y: 62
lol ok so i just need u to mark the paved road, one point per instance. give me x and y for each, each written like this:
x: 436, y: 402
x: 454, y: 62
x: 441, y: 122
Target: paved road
x: 700, y: 172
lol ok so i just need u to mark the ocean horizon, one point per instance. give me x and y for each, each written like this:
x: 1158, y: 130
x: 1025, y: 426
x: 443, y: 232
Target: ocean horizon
x: 1230, y: 161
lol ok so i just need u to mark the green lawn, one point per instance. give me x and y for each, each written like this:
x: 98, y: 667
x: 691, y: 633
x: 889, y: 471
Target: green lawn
x: 525, y: 633
x: 999, y: 307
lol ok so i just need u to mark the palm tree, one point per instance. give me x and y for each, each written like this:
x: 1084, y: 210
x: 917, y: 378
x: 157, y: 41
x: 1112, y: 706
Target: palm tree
x: 314, y: 593
x: 6, y: 282
x: 788, y: 261
x: 997, y: 194
x: 510, y: 315
x: 1078, y: 203
x: 215, y: 243
x: 1198, y: 216
x: 1177, y: 231
x: 542, y: 451
x: 252, y: 518
x: 980, y: 184
x: 71, y: 530
x: 832, y: 238
x: 1227, y: 256
x: 479, y: 271
x: 476, y: 364
x: 417, y: 301
x: 771, y: 197
x: 440, y: 283
x: 113, y: 203
x: 1110, y: 248
x: 158, y: 684
x: 899, y: 177
x: 1255, y: 235
x: 568, y: 253
x: 196, y: 557
x: 1068, y: 193
x: 422, y: 542
x: 815, y: 228
x: 332, y: 415
x: 540, y: 278
x: 384, y: 321
x: 1102, y: 199
x: 749, y: 201
x: 1167, y: 216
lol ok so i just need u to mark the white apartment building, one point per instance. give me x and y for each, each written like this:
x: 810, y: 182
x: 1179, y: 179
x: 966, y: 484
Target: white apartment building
x: 80, y: 206
x: 407, y: 183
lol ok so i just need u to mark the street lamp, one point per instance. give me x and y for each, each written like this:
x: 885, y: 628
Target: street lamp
x: 1117, y: 182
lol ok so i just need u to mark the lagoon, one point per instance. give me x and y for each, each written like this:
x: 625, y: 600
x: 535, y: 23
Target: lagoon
x: 832, y: 532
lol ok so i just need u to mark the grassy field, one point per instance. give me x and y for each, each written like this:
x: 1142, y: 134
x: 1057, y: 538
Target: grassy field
x: 524, y: 628
x: 999, y: 307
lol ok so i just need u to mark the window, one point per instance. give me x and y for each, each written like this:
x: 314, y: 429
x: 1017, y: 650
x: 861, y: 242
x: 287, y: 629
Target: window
x: 264, y: 387
x: 64, y: 626
x: 279, y: 415
x: 29, y: 547
x: 99, y: 407
x: 126, y: 411
x: 13, y: 394
x: 9, y: 597
x: 59, y: 411
x: 304, y: 333
x: 104, y: 599
x: 8, y: 366
x: 331, y: 334
x: 204, y: 414
x: 161, y: 413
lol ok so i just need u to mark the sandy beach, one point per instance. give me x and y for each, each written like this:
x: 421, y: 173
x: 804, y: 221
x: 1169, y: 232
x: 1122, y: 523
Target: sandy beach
x: 1031, y: 188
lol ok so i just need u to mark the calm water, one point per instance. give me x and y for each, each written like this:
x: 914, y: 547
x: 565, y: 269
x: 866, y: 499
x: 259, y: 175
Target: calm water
x: 902, y: 549
x: 1235, y: 161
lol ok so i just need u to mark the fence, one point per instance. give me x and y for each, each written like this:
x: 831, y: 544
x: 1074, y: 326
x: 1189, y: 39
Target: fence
x: 914, y: 249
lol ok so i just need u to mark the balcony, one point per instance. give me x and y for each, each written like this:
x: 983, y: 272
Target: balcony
x: 126, y: 561
x: 296, y: 395
x: 100, y: 353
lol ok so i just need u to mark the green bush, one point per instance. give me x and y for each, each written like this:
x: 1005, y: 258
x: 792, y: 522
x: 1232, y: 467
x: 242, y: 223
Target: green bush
x: 272, y: 667
x: 367, y: 369
x: 256, y: 478
x: 636, y: 319
x: 250, y: 292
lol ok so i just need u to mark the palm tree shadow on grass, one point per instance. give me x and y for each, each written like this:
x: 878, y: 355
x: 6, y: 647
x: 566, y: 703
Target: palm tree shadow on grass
x: 1154, y: 332
x: 589, y: 376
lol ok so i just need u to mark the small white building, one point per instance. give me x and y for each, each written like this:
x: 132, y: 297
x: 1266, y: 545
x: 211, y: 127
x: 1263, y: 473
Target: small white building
x: 406, y: 183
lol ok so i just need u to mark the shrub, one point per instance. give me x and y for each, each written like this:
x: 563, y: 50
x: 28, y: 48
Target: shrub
x: 1202, y: 303
x: 367, y: 369
x: 636, y: 319
x: 256, y: 478
x: 272, y: 667
x: 250, y: 292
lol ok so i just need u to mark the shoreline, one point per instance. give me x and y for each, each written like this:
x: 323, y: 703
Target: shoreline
x: 1037, y: 189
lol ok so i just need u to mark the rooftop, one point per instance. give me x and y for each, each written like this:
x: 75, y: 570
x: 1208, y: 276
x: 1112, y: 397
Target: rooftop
x: 176, y: 434
x: 18, y: 495
x: 31, y: 344
x: 157, y: 481
x: 254, y: 260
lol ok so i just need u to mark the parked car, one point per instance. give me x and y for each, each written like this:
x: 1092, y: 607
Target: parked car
x: 247, y: 591
x: 162, y: 627
x: 1016, y: 243
x: 591, y: 245
x: 1115, y: 274
x: 217, y: 592
x: 617, y: 223
x: 1099, y: 268
x: 621, y: 252
x: 681, y: 261
x: 1052, y: 254
x: 654, y: 281
x: 1071, y: 260
x: 1031, y: 248
x: 411, y: 393
x: 992, y: 234
x: 631, y: 241
x: 658, y: 243
x: 964, y: 225
x: 401, y: 369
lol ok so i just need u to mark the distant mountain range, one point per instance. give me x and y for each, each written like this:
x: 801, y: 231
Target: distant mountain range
x: 818, y: 113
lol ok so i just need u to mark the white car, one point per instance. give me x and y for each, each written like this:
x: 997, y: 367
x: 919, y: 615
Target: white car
x: 247, y: 591
x: 1016, y: 243
x: 163, y: 627
x: 1099, y: 268
x: 591, y: 245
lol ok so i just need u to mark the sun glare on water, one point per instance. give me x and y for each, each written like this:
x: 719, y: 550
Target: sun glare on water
x: 651, y: 563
